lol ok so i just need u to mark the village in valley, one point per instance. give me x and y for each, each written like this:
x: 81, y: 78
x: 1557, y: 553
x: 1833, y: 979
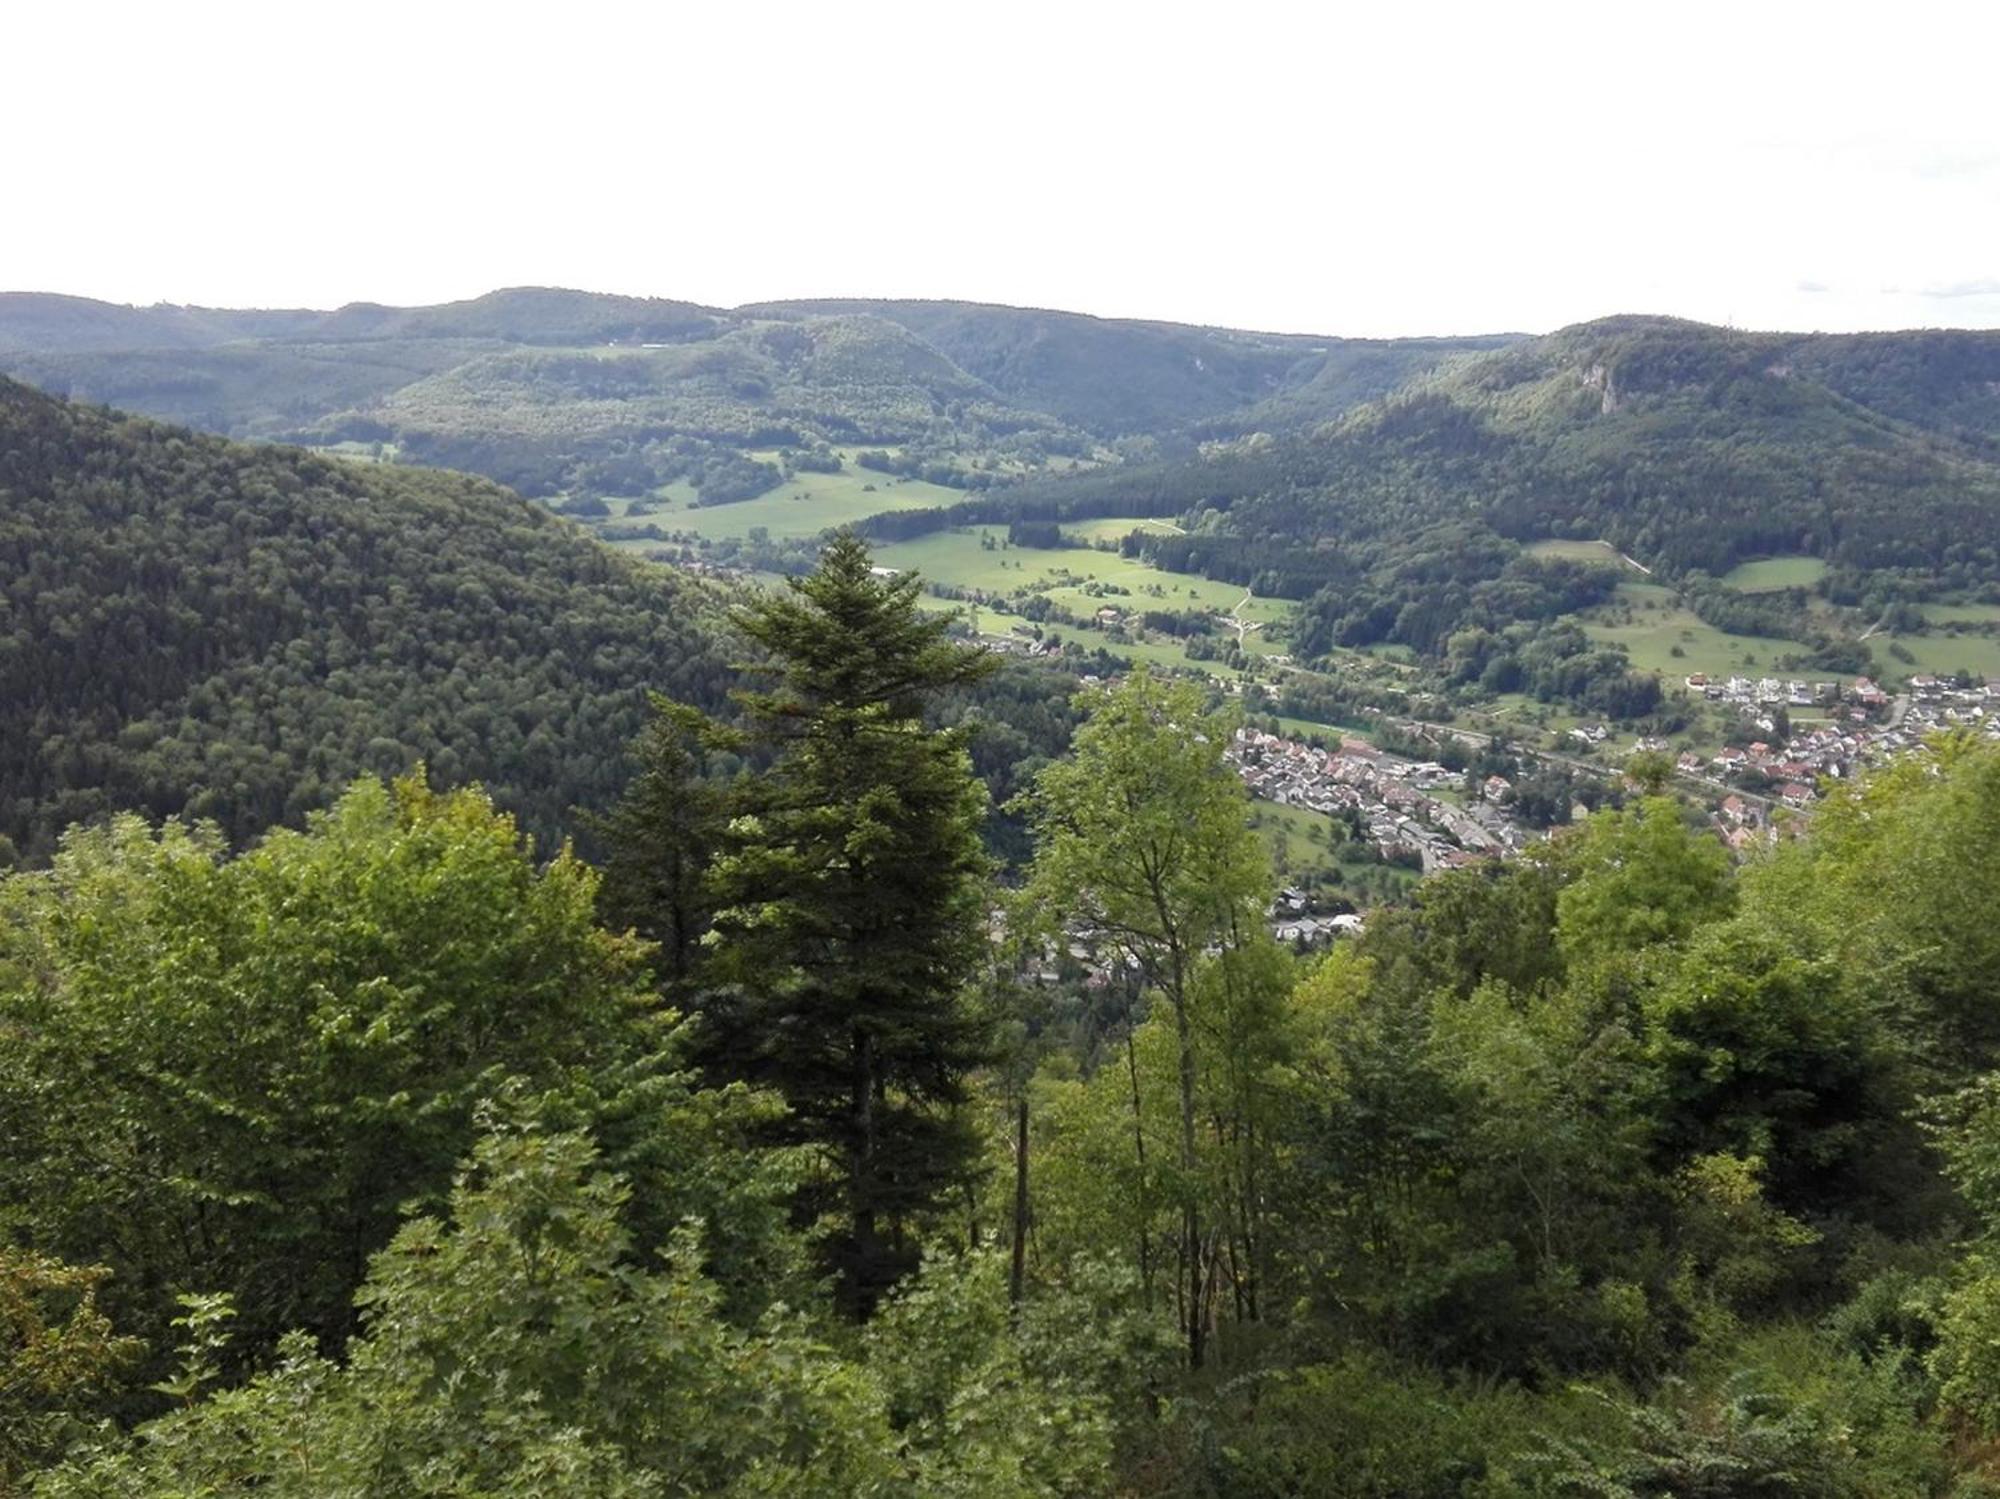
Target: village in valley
x: 1423, y: 811
x: 1444, y: 795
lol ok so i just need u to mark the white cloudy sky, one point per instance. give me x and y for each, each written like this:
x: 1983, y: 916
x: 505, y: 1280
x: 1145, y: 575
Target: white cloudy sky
x: 1339, y: 168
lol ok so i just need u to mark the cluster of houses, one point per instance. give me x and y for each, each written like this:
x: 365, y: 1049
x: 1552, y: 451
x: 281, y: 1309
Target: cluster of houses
x: 1022, y: 643
x: 1936, y: 705
x: 1292, y: 920
x: 1393, y: 797
x: 1854, y: 733
x: 1766, y: 692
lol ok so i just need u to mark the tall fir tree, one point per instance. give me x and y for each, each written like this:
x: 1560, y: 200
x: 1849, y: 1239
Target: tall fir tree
x: 663, y: 836
x: 851, y: 895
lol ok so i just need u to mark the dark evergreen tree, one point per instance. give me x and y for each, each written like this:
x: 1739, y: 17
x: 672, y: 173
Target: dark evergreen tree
x: 663, y: 837
x: 851, y: 901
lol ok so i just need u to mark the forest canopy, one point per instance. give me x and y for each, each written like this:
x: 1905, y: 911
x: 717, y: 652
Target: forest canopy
x: 1617, y: 1168
x: 191, y: 626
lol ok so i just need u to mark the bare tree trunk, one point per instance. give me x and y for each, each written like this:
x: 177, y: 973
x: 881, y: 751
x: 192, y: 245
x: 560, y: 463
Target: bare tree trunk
x: 1190, y: 1210
x: 1253, y: 1236
x: 866, y: 1248
x: 1139, y: 1151
x: 1019, y: 1270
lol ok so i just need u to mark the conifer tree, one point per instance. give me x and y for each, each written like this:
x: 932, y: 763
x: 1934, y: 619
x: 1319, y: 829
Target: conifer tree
x: 851, y: 900
x: 662, y: 838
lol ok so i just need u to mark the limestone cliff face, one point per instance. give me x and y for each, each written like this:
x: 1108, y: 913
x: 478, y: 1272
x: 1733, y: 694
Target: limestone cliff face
x: 1598, y: 377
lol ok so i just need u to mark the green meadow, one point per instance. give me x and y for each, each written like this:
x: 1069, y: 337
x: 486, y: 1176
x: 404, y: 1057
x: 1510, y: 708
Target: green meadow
x: 1769, y: 574
x: 1962, y: 614
x: 1081, y: 580
x: 1939, y: 653
x: 1652, y: 626
x: 803, y: 506
x: 1114, y: 528
x: 1578, y: 551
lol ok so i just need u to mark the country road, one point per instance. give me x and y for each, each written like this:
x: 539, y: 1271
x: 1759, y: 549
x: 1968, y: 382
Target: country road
x: 1240, y: 626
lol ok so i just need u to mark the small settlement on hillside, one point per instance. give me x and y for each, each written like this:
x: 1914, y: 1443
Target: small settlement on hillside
x: 1394, y: 797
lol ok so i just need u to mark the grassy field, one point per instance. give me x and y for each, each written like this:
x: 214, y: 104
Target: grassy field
x: 1308, y: 730
x: 1114, y: 528
x: 1658, y: 626
x: 961, y: 559
x: 1516, y: 713
x: 1962, y: 614
x: 360, y: 452
x: 1577, y: 551
x: 1290, y: 833
x: 1938, y: 653
x: 1076, y: 579
x: 1769, y: 574
x: 1296, y: 851
x: 803, y: 506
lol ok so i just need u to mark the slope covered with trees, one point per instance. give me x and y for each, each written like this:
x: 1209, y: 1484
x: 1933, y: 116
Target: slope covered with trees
x: 553, y: 390
x: 1688, y: 446
x: 366, y: 1161
x: 1119, y: 375
x: 188, y: 625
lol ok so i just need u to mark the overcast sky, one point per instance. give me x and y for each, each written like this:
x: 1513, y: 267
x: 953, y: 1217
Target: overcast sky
x: 1379, y: 169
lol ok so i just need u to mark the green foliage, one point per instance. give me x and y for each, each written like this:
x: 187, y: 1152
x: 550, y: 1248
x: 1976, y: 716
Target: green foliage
x: 1767, y: 1054
x: 232, y: 1074
x: 1900, y: 879
x: 1142, y: 838
x: 663, y: 836
x: 1966, y: 1362
x: 1142, y: 832
x: 849, y: 908
x: 1360, y: 1427
x: 1639, y: 876
x: 1849, y: 1435
x: 516, y: 1349
x: 993, y: 1402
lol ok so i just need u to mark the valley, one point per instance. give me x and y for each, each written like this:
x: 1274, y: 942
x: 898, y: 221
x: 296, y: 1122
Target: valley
x: 1465, y: 722
x: 1541, y: 539
x: 1036, y: 752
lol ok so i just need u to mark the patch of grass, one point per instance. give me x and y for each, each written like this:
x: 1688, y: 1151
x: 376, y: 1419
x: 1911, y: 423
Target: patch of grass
x: 961, y: 558
x: 1937, y: 654
x: 803, y: 506
x: 1384, y: 650
x: 1770, y: 574
x: 1962, y: 614
x: 1657, y: 625
x: 1306, y: 729
x: 1301, y: 840
x: 1577, y: 551
x: 360, y: 452
x: 1114, y: 528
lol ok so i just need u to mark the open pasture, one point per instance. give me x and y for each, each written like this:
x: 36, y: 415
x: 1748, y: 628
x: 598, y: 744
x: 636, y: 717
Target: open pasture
x: 1769, y: 574
x: 1578, y: 551
x: 1660, y: 635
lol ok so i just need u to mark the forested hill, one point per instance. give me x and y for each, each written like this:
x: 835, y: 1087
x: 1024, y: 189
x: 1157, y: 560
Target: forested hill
x: 1114, y: 375
x: 567, y: 391
x: 1688, y: 446
x: 190, y: 625
x: 40, y: 322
